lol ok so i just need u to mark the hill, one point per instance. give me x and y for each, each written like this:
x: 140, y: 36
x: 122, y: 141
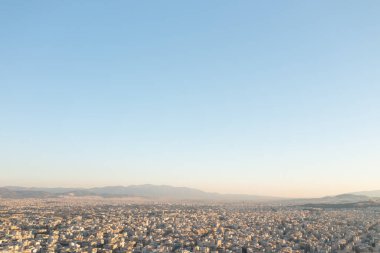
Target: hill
x: 374, y: 194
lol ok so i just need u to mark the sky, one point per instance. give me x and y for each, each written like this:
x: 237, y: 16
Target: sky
x: 276, y: 98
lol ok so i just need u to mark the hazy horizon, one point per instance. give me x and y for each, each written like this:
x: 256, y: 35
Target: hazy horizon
x: 275, y: 99
x: 209, y: 191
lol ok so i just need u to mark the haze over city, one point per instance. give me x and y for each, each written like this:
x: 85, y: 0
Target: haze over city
x: 240, y: 97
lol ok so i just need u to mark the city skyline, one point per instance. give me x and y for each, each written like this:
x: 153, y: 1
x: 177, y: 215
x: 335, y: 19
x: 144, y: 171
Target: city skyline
x: 230, y: 97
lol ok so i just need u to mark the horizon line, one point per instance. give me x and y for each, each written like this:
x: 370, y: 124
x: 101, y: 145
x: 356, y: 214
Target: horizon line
x: 187, y: 187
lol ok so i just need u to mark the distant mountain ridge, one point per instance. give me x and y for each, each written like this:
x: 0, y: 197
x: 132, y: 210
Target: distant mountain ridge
x: 362, y: 204
x: 335, y: 200
x: 146, y: 191
x: 165, y: 192
x: 375, y: 194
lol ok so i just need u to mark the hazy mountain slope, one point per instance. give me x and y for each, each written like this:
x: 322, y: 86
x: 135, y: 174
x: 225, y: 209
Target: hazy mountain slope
x: 170, y: 192
x: 375, y: 193
x: 55, y: 190
x: 165, y: 192
x: 151, y: 191
x: 146, y: 191
x: 338, y: 199
x: 20, y: 194
x: 363, y: 204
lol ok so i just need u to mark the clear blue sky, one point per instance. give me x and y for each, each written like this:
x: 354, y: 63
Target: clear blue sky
x: 263, y: 97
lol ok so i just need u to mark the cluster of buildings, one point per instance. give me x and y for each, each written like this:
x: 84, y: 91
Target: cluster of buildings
x: 96, y: 226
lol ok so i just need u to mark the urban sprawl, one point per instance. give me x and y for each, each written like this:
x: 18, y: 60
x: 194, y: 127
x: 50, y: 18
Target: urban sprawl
x: 116, y: 226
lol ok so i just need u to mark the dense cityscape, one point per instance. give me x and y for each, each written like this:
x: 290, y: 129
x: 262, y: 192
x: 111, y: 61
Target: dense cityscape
x: 92, y: 225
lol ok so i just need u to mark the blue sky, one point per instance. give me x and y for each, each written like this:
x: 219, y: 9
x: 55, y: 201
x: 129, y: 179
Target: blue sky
x: 263, y: 97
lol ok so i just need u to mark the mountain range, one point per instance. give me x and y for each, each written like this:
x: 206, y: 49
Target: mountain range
x: 165, y: 192
x: 147, y: 191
